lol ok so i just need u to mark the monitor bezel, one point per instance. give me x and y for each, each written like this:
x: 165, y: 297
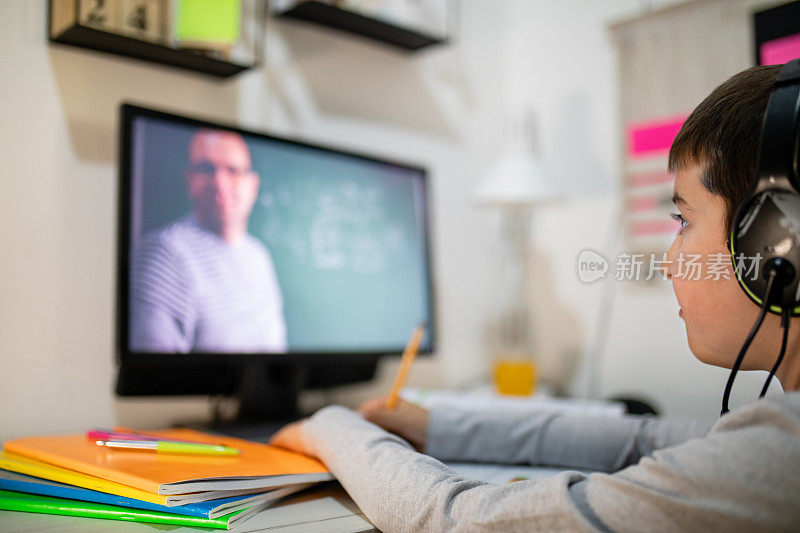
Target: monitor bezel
x: 151, y: 360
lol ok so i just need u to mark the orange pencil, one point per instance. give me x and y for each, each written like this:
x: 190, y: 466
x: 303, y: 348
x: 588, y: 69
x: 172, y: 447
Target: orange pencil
x: 405, y: 365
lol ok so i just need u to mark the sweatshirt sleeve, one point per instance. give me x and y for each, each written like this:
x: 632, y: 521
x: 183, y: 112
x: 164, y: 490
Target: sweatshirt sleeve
x: 741, y: 477
x: 605, y: 444
x: 399, y: 489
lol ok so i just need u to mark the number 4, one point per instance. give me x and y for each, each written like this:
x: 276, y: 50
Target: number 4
x: 138, y: 17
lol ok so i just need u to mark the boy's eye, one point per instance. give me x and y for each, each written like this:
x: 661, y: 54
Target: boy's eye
x: 679, y: 218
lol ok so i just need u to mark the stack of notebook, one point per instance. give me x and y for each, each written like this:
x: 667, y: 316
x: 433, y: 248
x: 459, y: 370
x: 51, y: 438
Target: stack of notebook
x: 72, y: 475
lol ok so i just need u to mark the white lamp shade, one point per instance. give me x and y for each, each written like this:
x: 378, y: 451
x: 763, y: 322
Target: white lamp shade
x: 516, y: 179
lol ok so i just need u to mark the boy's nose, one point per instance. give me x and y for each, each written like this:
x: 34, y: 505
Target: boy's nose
x: 672, y: 255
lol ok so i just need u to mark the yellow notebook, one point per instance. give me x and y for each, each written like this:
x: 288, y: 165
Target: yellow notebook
x: 21, y: 465
x: 257, y: 467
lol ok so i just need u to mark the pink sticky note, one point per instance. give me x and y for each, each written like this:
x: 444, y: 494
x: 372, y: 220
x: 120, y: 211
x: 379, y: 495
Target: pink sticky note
x: 650, y: 138
x: 644, y: 179
x: 655, y: 227
x: 779, y: 51
x: 643, y: 203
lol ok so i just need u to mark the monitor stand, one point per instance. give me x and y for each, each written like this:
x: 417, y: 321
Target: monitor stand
x: 268, y: 400
x: 268, y: 394
x: 269, y: 391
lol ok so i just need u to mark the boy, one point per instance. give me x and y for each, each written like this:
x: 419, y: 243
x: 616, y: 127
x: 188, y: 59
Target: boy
x: 739, y: 473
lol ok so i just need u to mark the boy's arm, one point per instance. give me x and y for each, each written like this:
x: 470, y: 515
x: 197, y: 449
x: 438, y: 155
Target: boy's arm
x: 595, y: 443
x: 740, y: 477
x: 399, y: 489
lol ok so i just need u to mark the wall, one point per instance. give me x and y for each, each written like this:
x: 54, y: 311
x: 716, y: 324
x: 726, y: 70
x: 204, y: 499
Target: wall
x: 443, y: 109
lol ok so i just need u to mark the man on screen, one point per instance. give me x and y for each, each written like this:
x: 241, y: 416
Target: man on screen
x: 202, y: 283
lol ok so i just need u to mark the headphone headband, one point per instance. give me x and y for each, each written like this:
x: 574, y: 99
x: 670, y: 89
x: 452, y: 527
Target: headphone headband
x: 788, y: 73
x: 780, y: 135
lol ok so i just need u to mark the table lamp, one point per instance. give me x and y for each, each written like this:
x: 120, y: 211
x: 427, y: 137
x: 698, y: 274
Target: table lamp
x: 514, y: 185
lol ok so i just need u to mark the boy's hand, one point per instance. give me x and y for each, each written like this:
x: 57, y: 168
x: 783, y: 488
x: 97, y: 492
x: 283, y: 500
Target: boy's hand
x: 290, y: 437
x: 406, y: 420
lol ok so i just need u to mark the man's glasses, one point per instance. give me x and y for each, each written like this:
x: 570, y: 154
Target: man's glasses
x: 207, y: 170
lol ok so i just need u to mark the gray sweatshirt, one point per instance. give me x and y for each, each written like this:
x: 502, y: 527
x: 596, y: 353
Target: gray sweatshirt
x: 740, y: 473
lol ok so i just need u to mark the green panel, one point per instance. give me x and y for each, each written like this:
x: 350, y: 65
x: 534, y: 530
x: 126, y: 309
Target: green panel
x: 214, y: 21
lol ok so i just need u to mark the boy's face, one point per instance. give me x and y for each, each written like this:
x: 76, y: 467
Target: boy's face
x: 717, y: 313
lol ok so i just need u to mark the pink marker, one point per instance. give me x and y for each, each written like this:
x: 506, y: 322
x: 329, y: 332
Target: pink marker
x: 104, y: 434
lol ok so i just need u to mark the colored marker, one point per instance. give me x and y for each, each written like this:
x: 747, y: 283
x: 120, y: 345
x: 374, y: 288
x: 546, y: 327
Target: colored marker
x: 161, y: 446
x: 107, y: 434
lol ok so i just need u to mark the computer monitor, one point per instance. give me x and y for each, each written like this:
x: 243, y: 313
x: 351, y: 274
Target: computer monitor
x: 256, y: 265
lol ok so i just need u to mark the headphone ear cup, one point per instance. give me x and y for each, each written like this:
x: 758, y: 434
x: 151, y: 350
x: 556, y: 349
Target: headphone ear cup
x: 767, y: 226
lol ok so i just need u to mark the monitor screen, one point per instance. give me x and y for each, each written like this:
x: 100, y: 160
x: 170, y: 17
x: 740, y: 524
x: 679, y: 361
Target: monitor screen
x: 237, y: 242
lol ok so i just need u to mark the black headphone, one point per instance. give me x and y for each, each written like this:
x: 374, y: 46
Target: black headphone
x: 765, y: 238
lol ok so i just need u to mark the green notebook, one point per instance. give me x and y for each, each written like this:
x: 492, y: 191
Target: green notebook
x: 33, y: 503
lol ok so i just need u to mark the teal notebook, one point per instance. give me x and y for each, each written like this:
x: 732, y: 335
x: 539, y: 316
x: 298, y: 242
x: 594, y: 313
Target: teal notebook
x: 33, y: 503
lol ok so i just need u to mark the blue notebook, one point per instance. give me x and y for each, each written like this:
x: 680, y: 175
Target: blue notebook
x: 208, y: 509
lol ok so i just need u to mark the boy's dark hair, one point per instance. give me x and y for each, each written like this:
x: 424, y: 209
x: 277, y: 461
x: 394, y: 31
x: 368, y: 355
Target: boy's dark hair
x: 722, y: 135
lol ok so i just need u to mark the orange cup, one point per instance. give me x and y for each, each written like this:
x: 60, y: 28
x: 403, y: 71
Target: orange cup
x: 515, y: 376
